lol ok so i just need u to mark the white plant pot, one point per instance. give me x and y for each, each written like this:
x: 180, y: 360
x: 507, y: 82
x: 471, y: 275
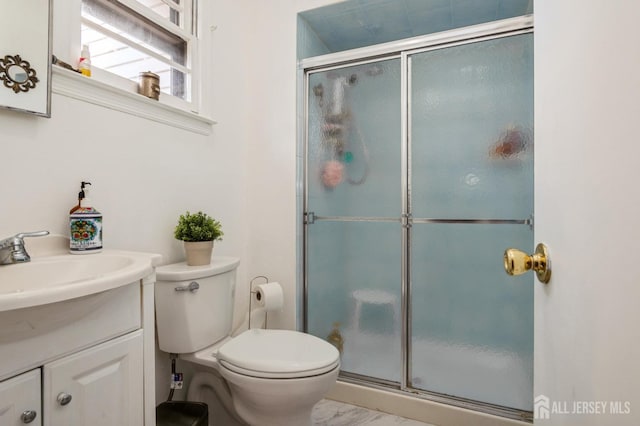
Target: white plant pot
x: 198, y: 252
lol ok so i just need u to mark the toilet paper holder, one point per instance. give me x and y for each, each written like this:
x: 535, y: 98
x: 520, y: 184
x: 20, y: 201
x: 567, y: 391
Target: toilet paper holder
x: 251, y: 293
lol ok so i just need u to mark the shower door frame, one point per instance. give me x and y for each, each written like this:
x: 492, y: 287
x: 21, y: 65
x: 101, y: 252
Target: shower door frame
x: 402, y: 50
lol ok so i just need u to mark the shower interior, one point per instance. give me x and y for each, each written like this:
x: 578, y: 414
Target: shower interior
x: 418, y: 175
x: 340, y: 130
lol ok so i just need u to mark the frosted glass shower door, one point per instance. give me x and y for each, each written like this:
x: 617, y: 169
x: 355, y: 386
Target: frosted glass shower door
x: 471, y: 189
x: 354, y: 203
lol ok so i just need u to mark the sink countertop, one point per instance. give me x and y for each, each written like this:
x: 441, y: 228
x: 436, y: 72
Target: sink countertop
x: 55, y: 275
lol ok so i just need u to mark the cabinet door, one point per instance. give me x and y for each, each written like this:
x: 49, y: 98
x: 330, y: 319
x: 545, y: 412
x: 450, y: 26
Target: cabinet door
x: 100, y: 386
x: 20, y: 400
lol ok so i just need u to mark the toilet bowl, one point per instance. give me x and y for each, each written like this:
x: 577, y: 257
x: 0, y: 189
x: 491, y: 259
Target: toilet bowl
x: 209, y: 387
x: 272, y: 377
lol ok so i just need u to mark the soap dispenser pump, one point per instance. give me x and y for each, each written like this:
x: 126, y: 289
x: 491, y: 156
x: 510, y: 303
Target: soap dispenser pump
x: 85, y: 225
x: 81, y: 196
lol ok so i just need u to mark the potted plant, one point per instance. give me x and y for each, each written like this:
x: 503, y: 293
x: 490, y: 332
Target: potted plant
x: 198, y: 231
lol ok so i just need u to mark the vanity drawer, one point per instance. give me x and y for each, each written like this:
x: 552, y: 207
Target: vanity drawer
x: 30, y: 337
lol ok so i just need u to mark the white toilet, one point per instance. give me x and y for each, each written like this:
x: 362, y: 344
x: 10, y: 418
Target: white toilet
x: 275, y: 377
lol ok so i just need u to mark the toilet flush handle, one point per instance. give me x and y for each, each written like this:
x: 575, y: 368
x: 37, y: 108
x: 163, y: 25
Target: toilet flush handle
x: 192, y: 287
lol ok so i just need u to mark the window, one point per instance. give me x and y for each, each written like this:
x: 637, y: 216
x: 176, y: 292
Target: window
x: 127, y: 37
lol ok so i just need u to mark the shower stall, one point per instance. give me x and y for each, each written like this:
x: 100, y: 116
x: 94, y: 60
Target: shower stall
x: 417, y: 175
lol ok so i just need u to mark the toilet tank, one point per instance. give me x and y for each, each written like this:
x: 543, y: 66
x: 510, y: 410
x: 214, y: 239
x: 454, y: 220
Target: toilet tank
x: 189, y: 318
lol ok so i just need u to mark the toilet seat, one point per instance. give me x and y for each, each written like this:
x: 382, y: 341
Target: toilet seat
x: 278, y: 354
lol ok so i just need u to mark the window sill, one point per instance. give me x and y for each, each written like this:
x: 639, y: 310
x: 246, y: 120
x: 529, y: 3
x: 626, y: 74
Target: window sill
x: 73, y: 85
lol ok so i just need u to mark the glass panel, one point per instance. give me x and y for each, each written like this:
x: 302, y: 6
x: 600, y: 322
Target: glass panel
x: 354, y: 273
x: 170, y: 12
x: 471, y: 323
x: 472, y: 158
x: 472, y: 130
x: 354, y: 141
x: 116, y: 37
x: 125, y: 61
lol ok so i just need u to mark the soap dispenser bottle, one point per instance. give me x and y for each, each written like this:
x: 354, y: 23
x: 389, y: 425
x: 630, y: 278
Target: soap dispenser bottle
x: 85, y: 225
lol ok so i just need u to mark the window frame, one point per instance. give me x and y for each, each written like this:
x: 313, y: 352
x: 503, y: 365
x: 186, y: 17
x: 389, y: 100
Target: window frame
x: 67, y: 46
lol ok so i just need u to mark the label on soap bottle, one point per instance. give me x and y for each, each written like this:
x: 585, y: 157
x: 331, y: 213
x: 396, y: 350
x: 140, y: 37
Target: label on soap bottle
x: 85, y: 231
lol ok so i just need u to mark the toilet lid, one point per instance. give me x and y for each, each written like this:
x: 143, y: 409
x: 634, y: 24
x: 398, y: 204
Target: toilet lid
x: 278, y: 354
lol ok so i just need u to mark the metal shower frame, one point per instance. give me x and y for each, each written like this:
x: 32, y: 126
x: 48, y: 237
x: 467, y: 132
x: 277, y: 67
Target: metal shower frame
x: 402, y: 50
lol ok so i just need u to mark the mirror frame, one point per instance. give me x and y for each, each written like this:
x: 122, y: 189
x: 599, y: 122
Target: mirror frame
x: 42, y: 77
x: 9, y: 62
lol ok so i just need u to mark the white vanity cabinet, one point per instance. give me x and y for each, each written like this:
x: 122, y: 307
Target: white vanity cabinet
x: 100, y: 386
x: 87, y: 361
x: 20, y: 400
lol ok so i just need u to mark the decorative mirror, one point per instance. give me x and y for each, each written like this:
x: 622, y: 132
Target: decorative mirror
x: 25, y: 61
x: 17, y: 74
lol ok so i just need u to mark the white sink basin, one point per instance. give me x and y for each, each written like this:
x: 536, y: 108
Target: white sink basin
x: 54, y: 276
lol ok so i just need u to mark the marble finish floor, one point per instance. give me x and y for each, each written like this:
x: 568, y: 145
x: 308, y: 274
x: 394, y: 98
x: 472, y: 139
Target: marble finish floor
x: 333, y: 413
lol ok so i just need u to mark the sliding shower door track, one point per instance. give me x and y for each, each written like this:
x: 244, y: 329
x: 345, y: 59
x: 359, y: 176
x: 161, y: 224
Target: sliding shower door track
x: 469, y: 404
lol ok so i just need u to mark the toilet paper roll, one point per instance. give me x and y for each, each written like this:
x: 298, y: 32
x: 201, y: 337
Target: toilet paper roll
x: 269, y: 296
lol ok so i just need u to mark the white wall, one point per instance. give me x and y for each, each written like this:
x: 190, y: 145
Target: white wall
x: 255, y: 43
x: 144, y: 174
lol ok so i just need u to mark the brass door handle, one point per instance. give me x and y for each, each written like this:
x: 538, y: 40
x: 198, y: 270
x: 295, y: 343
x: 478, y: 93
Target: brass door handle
x: 517, y: 262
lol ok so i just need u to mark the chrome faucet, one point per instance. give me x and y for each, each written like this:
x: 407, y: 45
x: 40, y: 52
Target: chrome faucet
x: 12, y: 249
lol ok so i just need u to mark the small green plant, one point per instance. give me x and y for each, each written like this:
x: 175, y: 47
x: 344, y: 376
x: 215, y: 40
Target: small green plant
x: 198, y: 227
